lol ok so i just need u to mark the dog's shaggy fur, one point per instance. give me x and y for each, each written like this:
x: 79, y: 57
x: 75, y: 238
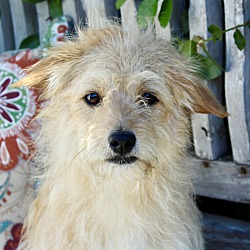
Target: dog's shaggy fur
x: 86, y: 201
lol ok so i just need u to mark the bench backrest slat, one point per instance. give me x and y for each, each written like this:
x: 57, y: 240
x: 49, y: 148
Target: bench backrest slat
x: 237, y: 83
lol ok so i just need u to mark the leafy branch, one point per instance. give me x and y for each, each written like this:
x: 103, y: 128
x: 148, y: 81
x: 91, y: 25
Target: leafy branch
x: 217, y: 34
x: 209, y: 68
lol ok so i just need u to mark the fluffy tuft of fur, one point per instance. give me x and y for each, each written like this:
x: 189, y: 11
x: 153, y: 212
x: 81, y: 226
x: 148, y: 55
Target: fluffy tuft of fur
x: 86, y: 202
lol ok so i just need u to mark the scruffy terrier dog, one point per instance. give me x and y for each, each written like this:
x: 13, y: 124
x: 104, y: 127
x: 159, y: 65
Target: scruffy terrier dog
x: 112, y: 144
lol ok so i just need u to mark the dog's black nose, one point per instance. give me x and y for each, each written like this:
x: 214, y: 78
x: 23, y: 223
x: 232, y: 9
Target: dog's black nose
x: 122, y: 142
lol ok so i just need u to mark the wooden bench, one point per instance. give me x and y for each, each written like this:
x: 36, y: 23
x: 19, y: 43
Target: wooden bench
x: 213, y: 138
x: 225, y: 234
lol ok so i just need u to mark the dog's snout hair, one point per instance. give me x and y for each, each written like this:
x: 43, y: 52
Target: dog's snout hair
x: 112, y: 144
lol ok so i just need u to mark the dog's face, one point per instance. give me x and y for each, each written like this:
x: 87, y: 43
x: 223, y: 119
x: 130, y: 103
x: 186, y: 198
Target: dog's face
x: 119, y: 103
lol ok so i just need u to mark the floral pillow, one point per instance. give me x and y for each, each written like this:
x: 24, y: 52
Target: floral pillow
x: 18, y: 106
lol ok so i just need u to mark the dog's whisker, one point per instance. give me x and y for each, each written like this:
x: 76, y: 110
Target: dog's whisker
x: 71, y: 162
x: 79, y: 153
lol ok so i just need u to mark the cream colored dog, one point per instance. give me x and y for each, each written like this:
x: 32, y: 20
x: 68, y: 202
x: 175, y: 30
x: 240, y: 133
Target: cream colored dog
x: 111, y: 149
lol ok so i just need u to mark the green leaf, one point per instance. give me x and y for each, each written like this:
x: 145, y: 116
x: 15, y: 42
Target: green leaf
x: 188, y: 47
x: 216, y: 32
x: 165, y: 12
x: 119, y: 4
x: 146, y: 12
x: 239, y: 39
x: 34, y: 1
x: 55, y: 8
x: 30, y: 42
x: 208, y: 69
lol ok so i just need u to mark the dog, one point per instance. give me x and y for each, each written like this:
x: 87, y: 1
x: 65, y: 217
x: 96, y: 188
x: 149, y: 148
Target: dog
x: 111, y: 150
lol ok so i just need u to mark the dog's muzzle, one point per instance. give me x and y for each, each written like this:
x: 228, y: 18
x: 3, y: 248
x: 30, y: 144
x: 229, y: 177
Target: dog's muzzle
x: 122, y: 143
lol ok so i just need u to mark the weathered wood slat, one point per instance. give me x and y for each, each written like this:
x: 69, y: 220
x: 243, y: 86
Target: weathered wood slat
x: 237, y: 84
x: 222, y: 180
x: 81, y: 14
x: 2, y: 43
x: 69, y: 9
x: 128, y: 14
x: 95, y: 10
x: 19, y: 21
x: 180, y: 8
x: 6, y: 28
x: 30, y: 18
x: 246, y: 8
x: 161, y: 32
x: 209, y: 132
x: 43, y: 15
x: 223, y: 233
x: 110, y: 9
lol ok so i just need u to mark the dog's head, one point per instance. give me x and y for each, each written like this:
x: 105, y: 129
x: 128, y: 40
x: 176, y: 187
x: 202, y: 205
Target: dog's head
x: 118, y: 101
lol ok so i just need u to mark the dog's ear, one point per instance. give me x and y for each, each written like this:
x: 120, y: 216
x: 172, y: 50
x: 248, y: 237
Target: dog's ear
x: 50, y: 73
x: 196, y: 97
x: 60, y: 60
x: 37, y: 75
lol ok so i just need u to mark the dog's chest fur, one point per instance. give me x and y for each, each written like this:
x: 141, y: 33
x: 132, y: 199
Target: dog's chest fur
x: 115, y: 215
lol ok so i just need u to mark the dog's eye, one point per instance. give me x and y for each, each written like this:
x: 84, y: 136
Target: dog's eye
x: 92, y: 99
x: 149, y: 98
